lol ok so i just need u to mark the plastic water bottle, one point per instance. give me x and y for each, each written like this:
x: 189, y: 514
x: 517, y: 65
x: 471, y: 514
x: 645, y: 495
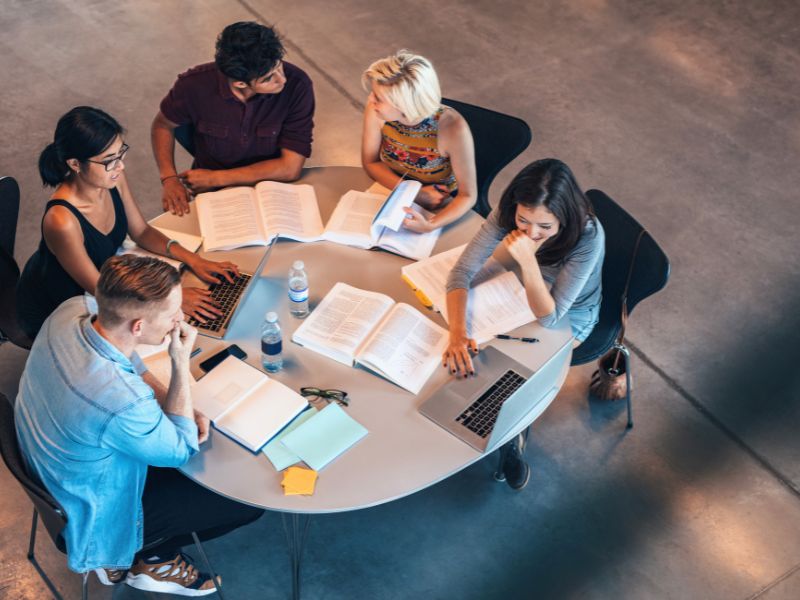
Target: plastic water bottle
x: 298, y: 290
x: 271, y: 343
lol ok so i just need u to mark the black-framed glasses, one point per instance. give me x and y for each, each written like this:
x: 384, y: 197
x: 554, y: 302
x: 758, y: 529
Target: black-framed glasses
x: 112, y: 163
x: 316, y: 394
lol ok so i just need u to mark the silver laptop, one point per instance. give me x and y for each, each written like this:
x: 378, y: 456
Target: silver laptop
x: 229, y: 297
x: 481, y: 410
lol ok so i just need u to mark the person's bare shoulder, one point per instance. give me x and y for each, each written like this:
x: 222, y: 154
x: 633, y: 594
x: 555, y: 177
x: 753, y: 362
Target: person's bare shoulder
x: 59, y: 222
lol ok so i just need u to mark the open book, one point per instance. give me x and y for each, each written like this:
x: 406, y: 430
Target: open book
x: 245, y: 404
x: 252, y: 216
x: 367, y: 220
x: 496, y: 302
x: 393, y: 339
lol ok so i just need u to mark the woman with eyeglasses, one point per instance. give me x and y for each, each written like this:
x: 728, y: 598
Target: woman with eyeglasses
x: 87, y: 218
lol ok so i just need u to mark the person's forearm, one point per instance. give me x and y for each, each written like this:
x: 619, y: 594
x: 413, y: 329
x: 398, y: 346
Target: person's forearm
x: 455, y: 209
x: 162, y: 138
x: 179, y: 400
x: 381, y: 173
x: 275, y: 169
x: 158, y: 388
x: 539, y: 298
x: 457, y: 311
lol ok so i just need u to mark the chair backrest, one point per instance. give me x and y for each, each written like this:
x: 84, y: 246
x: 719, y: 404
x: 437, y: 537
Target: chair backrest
x: 9, y: 212
x: 9, y: 270
x: 184, y: 134
x: 499, y: 139
x: 51, y: 513
x: 650, y: 273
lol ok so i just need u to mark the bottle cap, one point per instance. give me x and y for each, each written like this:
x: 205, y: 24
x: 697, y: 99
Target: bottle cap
x: 298, y: 265
x: 271, y: 317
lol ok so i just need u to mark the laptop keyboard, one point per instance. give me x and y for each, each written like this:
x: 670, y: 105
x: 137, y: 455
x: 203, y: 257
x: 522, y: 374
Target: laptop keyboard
x: 480, y: 416
x: 225, y: 296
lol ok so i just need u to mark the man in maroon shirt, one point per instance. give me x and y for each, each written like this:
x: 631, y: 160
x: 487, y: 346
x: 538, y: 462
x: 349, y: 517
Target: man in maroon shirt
x: 251, y: 116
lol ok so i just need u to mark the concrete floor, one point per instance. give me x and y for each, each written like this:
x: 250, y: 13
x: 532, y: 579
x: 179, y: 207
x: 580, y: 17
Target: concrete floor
x: 687, y: 114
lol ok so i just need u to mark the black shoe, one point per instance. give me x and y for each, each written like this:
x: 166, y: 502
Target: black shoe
x: 516, y: 470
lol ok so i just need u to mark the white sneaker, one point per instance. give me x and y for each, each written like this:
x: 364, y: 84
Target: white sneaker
x: 175, y: 576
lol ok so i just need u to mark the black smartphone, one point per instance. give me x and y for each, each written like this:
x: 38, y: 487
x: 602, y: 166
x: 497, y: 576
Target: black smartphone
x: 213, y: 361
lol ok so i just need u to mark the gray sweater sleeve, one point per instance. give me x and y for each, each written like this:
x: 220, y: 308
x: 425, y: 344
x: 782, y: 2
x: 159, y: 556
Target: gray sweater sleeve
x: 576, y: 272
x: 476, y: 253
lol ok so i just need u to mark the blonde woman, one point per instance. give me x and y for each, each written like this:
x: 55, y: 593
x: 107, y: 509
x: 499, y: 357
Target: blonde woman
x: 407, y: 131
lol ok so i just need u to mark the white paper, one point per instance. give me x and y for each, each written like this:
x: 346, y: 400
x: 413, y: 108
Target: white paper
x: 391, y: 214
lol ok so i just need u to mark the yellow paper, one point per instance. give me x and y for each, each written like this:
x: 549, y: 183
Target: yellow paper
x: 298, y: 481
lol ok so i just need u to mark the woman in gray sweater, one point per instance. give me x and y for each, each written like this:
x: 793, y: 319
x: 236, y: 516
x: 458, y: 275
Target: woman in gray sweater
x: 547, y: 225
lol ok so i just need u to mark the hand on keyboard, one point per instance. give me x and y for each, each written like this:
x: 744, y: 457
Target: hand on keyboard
x: 198, y: 304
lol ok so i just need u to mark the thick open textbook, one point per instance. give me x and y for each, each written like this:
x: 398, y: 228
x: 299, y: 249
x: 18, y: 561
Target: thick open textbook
x: 245, y: 404
x: 393, y: 339
x: 496, y: 302
x: 368, y: 220
x: 251, y: 216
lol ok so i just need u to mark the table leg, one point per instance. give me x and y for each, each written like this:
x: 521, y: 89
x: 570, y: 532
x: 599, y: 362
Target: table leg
x: 296, y: 532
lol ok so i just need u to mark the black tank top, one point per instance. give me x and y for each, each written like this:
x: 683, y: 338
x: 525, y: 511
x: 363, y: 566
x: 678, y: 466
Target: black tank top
x: 44, y: 284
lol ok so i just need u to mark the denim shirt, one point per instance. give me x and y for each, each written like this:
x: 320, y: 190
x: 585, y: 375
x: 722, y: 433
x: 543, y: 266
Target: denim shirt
x: 88, y: 427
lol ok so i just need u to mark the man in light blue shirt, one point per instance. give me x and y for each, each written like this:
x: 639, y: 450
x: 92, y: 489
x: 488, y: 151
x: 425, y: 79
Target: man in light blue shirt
x: 105, y: 439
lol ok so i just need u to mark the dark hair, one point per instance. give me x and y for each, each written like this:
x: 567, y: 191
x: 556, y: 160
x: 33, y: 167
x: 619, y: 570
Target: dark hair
x: 130, y: 281
x: 247, y: 51
x: 81, y: 133
x: 550, y: 183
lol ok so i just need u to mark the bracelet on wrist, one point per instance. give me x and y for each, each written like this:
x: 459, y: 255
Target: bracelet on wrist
x: 163, y: 179
x: 169, y: 244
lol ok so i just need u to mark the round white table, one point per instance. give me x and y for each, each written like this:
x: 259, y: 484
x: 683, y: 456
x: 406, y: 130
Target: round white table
x: 404, y: 452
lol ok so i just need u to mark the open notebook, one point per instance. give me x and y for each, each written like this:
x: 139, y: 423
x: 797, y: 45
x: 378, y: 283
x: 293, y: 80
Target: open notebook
x: 245, y: 404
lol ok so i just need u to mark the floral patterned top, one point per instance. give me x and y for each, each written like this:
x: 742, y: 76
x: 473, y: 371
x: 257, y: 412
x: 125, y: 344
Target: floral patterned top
x: 415, y: 150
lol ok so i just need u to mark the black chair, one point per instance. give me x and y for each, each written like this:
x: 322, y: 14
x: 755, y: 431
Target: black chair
x: 649, y: 275
x: 9, y: 270
x: 184, y: 135
x: 499, y: 139
x: 46, y: 507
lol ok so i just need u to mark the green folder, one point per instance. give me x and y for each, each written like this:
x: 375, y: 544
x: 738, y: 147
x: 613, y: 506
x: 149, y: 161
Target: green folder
x: 277, y: 453
x: 324, y: 436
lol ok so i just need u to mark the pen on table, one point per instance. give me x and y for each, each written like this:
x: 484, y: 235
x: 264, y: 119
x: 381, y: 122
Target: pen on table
x: 195, y: 352
x: 527, y: 340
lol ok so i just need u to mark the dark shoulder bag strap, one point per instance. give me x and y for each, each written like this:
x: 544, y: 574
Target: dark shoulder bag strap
x: 624, y: 316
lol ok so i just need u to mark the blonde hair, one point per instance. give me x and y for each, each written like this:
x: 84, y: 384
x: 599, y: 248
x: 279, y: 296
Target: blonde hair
x: 410, y: 83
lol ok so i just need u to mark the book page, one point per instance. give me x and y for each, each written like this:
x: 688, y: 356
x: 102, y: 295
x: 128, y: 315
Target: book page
x: 496, y: 306
x: 224, y: 386
x: 406, y: 347
x: 351, y: 220
x: 229, y: 219
x: 410, y: 243
x: 430, y: 275
x: 290, y: 211
x: 342, y: 321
